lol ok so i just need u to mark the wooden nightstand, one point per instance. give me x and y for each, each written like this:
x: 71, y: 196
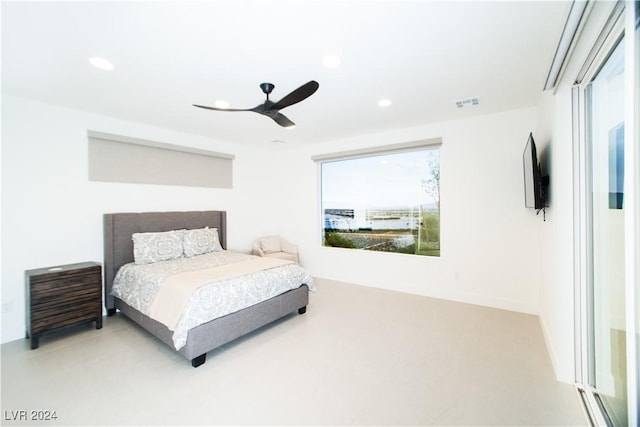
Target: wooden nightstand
x: 62, y: 296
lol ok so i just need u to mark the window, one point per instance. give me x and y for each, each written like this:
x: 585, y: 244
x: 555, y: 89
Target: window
x: 387, y: 201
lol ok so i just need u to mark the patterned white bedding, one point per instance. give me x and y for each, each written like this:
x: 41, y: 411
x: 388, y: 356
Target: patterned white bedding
x: 138, y: 285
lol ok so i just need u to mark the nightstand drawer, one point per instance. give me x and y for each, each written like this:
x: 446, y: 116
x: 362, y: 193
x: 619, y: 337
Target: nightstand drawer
x: 68, y: 306
x: 63, y: 296
x: 51, y: 319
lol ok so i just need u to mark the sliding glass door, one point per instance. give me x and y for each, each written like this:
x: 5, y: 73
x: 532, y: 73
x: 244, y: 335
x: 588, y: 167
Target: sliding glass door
x: 606, y: 246
x: 607, y: 221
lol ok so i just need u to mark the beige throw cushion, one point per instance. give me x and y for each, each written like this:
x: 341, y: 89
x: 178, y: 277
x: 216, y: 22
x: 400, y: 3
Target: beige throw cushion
x: 270, y: 244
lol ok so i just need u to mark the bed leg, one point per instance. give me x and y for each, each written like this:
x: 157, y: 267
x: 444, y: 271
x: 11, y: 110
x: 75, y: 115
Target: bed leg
x: 302, y: 310
x: 197, y: 361
x: 111, y: 312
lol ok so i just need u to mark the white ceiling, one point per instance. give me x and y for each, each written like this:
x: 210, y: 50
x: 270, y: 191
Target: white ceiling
x: 423, y: 55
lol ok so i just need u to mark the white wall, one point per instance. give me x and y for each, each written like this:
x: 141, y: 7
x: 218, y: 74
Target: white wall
x: 52, y: 214
x: 490, y: 241
x: 556, y: 257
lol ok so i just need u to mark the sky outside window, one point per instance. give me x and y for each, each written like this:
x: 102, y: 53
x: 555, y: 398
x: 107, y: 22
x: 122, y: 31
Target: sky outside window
x: 383, y: 181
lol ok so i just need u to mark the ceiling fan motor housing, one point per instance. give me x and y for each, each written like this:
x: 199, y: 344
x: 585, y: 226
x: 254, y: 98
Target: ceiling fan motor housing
x: 267, y: 88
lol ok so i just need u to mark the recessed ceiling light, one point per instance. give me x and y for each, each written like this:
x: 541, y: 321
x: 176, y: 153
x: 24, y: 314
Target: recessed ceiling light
x: 221, y: 104
x: 384, y: 103
x: 101, y: 63
x: 331, y: 61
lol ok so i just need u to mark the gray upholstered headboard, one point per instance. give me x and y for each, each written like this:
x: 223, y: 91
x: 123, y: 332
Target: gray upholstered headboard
x: 119, y: 227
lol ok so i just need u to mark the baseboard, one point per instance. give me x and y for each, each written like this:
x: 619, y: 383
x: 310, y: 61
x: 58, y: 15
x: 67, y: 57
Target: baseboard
x: 552, y: 354
x: 463, y: 297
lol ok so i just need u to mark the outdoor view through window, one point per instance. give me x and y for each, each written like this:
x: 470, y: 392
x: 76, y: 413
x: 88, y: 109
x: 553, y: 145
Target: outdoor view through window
x: 388, y: 202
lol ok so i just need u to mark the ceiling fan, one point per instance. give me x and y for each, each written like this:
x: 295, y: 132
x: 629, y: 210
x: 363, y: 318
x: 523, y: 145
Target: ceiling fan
x: 272, y: 109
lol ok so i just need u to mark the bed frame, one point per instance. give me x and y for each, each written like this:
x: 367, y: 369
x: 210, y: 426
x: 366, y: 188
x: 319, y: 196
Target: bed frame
x: 118, y: 250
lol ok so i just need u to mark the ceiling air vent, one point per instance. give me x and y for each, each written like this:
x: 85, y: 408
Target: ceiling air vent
x: 467, y: 102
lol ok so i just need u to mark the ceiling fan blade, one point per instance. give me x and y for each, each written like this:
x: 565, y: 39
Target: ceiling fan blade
x: 282, y: 120
x: 303, y: 92
x: 221, y: 109
x: 271, y: 109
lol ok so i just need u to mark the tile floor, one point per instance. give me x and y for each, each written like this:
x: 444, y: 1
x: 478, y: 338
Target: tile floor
x: 359, y: 356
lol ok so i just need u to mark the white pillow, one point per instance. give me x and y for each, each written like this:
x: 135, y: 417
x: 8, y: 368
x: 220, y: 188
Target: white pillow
x: 200, y: 241
x: 153, y: 247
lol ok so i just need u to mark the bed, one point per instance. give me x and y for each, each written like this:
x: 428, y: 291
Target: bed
x: 119, y: 229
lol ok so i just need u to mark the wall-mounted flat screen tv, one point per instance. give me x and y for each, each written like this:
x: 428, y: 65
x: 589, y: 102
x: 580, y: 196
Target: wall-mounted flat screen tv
x: 533, y: 181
